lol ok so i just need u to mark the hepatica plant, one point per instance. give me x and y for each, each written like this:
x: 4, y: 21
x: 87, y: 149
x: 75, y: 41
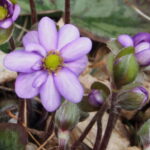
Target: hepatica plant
x: 50, y: 63
x: 9, y: 12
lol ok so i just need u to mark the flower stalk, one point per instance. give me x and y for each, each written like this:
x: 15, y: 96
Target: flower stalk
x: 12, y: 43
x: 111, y: 123
x: 33, y: 11
x: 67, y: 11
x: 89, y: 126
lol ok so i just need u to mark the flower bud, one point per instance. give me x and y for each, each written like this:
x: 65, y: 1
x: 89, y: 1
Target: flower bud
x: 144, y: 134
x: 133, y: 99
x: 96, y: 97
x: 125, y: 68
x: 67, y: 116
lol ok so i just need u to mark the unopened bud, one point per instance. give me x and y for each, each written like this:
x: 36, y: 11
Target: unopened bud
x: 125, y: 68
x: 96, y: 97
x: 144, y: 134
x: 67, y: 116
x: 133, y: 99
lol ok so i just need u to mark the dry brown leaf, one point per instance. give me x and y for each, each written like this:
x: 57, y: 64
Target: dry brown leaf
x: 134, y: 148
x: 5, y: 74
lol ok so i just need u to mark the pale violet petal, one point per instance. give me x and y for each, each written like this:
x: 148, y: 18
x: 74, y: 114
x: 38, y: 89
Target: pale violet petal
x: 68, y: 85
x: 78, y: 65
x: 21, y: 61
x: 67, y: 34
x: 50, y: 97
x: 76, y: 49
x: 125, y: 40
x: 23, y: 85
x: 34, y: 47
x: 16, y: 13
x: 47, y: 33
x: 31, y: 37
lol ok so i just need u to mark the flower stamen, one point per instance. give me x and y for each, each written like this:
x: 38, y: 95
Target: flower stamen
x: 52, y: 62
x: 3, y: 13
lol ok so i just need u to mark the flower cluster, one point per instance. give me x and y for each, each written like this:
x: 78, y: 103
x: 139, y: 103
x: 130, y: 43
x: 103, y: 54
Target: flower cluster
x: 141, y: 42
x: 9, y: 12
x: 50, y: 63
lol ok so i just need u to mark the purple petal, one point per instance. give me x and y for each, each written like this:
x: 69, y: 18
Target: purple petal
x: 34, y: 47
x: 68, y: 86
x: 23, y: 85
x: 21, y: 61
x: 40, y: 79
x: 17, y: 10
x: 67, y: 34
x: 141, y: 37
x: 37, y: 66
x: 47, y: 33
x: 78, y: 65
x: 125, y: 40
x: 76, y: 49
x: 31, y: 37
x: 6, y: 23
x: 50, y: 97
x: 143, y: 57
x: 142, y: 46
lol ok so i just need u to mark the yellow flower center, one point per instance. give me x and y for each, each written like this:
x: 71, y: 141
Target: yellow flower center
x: 3, y: 13
x: 52, y: 62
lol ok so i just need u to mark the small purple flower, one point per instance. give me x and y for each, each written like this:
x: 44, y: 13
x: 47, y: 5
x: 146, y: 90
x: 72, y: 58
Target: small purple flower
x: 96, y: 98
x: 141, y: 42
x: 9, y: 12
x: 50, y: 64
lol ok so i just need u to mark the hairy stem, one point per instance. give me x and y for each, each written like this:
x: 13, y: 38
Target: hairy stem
x: 111, y: 123
x: 99, y: 134
x: 33, y: 11
x: 12, y: 44
x: 90, y: 125
x: 67, y: 11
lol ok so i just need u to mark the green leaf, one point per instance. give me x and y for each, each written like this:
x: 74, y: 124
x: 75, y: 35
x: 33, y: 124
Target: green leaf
x: 12, y: 137
x: 5, y: 35
x: 103, y: 18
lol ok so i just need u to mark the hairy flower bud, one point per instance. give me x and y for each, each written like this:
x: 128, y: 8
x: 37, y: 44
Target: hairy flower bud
x: 132, y: 99
x: 67, y: 116
x: 125, y: 68
x: 96, y: 97
x: 144, y: 134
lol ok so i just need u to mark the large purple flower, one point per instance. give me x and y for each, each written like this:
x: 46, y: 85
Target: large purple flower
x: 50, y: 64
x: 141, y: 42
x: 9, y: 12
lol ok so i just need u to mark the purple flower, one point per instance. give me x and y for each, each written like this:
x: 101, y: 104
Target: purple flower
x: 50, y: 64
x: 9, y: 12
x: 141, y: 42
